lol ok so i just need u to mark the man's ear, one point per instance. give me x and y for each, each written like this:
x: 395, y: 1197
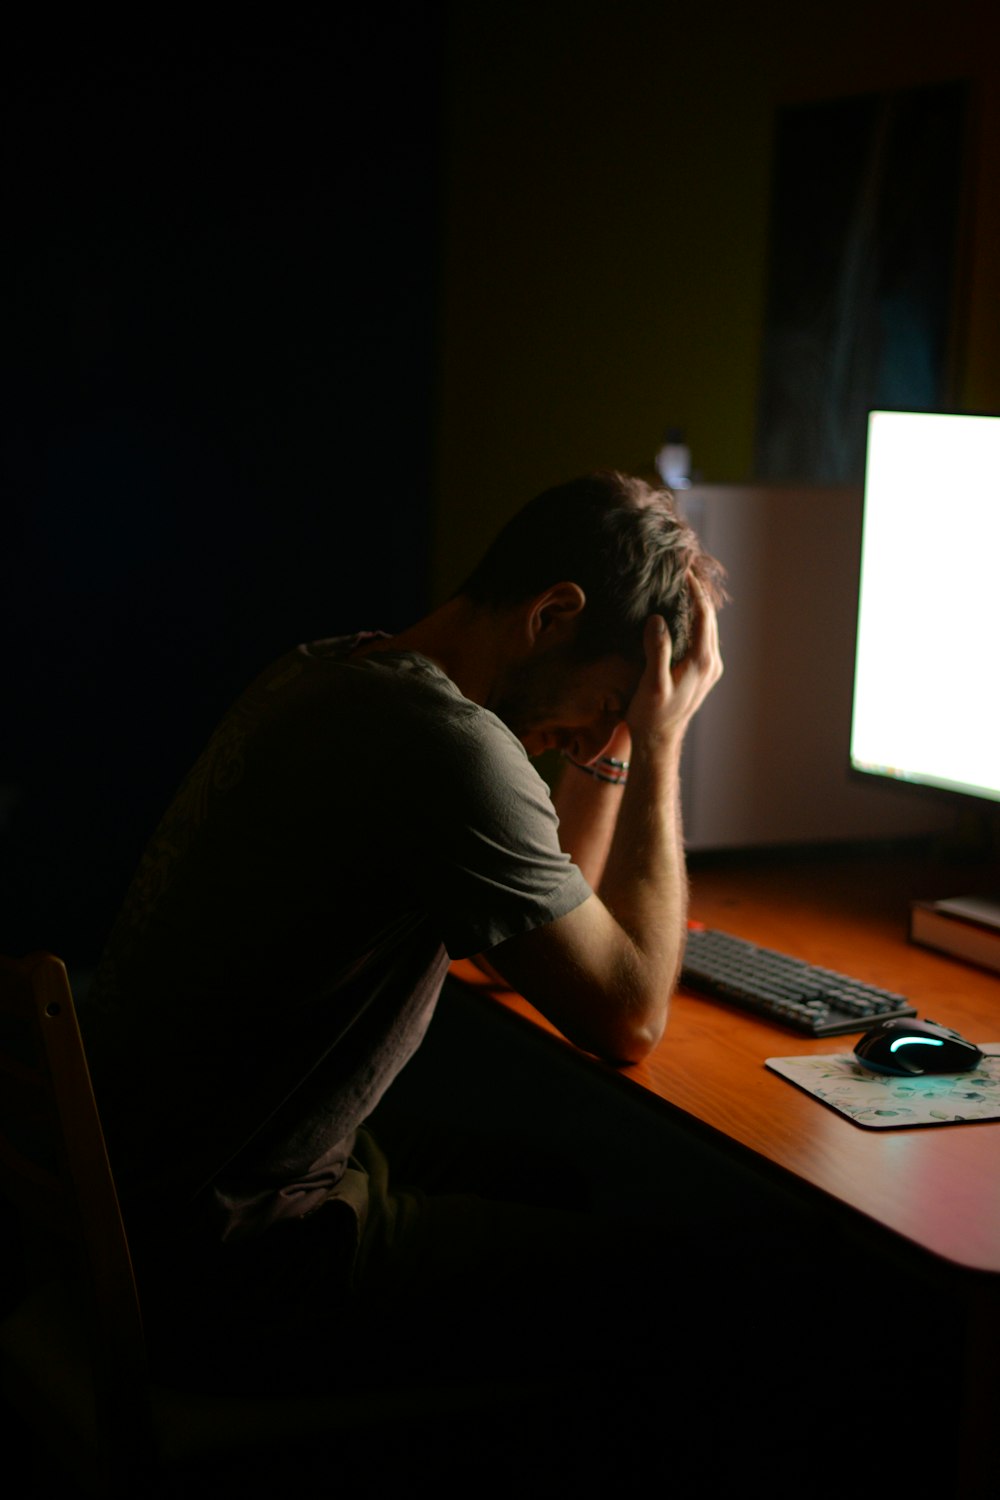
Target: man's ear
x: 553, y: 616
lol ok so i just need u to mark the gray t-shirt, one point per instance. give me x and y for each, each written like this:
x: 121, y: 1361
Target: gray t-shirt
x: 353, y: 824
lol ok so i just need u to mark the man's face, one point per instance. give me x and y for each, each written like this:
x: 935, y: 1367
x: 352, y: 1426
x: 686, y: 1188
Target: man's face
x: 554, y: 701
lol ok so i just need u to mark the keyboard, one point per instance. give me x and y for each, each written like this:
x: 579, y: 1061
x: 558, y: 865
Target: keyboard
x: 789, y: 991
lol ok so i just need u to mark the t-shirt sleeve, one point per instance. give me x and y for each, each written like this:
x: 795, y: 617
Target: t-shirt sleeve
x: 493, y: 866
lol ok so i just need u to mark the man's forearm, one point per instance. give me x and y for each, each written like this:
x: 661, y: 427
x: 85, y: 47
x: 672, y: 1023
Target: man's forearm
x: 587, y: 808
x: 604, y: 973
x: 644, y: 884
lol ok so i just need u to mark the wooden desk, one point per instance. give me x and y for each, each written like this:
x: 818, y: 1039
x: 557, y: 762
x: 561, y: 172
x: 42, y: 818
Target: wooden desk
x: 939, y: 1189
x: 930, y: 1195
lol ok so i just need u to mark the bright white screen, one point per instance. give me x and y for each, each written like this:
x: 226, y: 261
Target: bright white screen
x: 927, y: 671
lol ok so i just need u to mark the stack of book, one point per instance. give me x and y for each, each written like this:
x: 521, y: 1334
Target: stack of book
x: 965, y: 926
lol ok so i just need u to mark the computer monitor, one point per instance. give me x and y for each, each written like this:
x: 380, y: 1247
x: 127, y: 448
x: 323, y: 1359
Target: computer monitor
x: 926, y: 701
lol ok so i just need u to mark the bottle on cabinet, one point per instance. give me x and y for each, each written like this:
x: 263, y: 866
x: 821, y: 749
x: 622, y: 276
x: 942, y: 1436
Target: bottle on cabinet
x: 673, y: 460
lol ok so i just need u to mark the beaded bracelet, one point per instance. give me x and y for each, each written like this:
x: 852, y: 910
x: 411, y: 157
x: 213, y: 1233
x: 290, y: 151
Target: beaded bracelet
x: 605, y: 768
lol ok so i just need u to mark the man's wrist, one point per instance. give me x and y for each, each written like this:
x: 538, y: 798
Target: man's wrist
x: 605, y: 768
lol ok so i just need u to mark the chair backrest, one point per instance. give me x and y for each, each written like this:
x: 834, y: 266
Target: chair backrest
x: 55, y: 1171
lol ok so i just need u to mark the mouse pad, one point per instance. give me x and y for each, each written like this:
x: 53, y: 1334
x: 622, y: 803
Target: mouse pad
x: 879, y: 1102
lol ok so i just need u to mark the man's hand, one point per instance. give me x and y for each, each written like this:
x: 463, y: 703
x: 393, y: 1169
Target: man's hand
x: 668, y: 696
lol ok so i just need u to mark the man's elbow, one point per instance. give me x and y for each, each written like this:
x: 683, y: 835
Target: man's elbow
x: 640, y: 1018
x: 637, y: 1038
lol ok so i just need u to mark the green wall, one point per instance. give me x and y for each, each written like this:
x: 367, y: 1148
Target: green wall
x: 606, y: 228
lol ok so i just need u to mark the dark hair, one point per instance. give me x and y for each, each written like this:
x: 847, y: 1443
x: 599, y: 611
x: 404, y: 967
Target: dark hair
x: 622, y: 541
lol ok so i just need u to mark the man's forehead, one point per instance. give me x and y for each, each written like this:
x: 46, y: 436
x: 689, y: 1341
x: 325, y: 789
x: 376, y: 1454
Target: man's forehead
x: 618, y: 673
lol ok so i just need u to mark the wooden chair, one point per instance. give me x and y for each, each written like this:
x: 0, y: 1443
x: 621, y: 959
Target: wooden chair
x: 72, y: 1353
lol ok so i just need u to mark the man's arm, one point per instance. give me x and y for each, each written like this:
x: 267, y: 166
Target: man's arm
x: 604, y: 973
x: 588, y: 810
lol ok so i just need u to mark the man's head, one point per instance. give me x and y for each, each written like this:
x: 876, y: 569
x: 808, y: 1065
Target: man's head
x: 622, y: 542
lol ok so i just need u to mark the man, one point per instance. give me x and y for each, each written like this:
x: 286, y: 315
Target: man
x: 366, y: 812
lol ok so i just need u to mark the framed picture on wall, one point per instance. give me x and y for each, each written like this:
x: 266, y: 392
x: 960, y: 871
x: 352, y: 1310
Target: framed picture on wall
x: 862, y: 306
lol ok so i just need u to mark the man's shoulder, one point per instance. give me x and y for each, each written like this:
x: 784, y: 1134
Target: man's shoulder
x: 331, y: 673
x: 394, y: 683
x: 396, y: 710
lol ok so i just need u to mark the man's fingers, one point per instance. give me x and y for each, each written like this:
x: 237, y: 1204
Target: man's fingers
x: 658, y: 648
x: 653, y: 641
x: 705, y: 643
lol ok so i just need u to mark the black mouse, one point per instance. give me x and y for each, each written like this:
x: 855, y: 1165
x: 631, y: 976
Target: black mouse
x: 912, y: 1049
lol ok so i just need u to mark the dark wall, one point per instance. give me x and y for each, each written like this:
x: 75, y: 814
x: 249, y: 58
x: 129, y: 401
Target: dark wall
x: 218, y: 377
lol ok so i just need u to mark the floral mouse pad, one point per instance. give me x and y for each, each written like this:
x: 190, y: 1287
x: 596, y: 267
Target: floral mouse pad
x: 880, y: 1102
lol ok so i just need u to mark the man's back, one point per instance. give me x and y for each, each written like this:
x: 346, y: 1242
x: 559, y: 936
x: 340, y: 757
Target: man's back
x: 352, y: 821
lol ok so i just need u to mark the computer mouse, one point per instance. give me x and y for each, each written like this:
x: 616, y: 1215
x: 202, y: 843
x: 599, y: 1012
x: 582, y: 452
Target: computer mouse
x: 913, y: 1048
